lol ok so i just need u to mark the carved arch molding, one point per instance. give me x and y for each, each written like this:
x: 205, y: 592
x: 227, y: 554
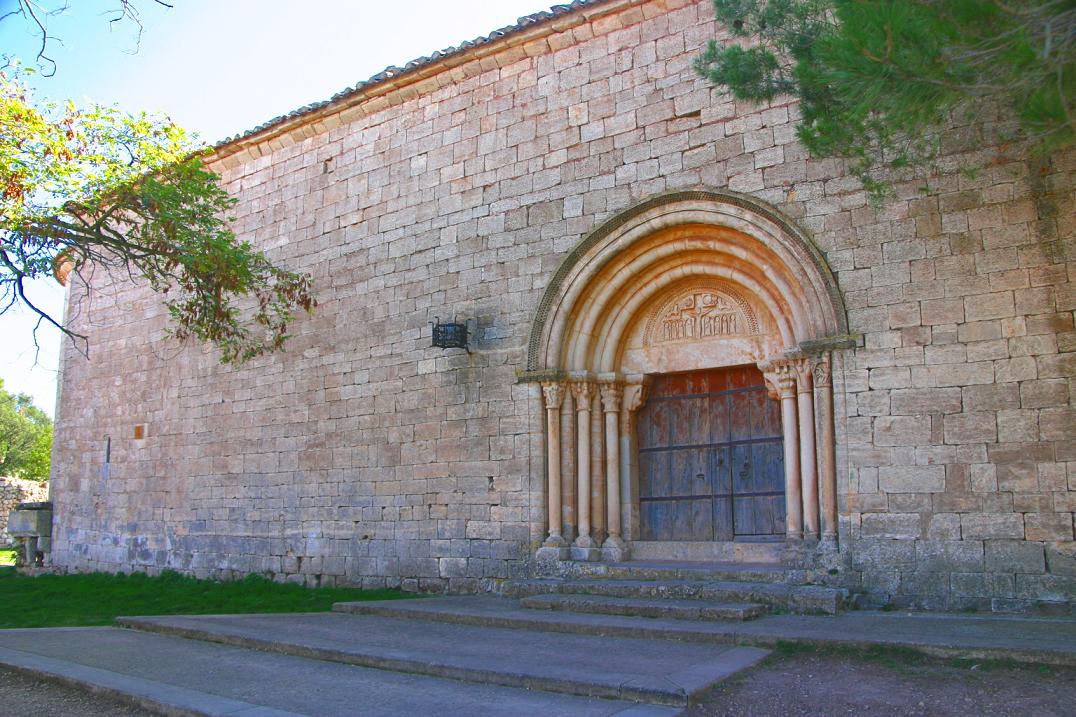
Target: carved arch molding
x: 682, y: 281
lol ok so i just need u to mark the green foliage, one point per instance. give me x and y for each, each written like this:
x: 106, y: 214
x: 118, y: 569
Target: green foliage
x: 877, y: 80
x: 98, y: 598
x: 108, y: 191
x: 25, y: 437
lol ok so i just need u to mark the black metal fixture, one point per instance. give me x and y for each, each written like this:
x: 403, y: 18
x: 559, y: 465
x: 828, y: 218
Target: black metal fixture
x: 449, y: 336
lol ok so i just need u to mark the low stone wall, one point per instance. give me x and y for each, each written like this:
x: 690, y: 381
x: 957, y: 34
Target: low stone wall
x: 14, y: 491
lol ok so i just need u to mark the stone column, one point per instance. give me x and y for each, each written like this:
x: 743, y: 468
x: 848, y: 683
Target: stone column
x: 634, y: 398
x: 827, y: 446
x: 554, y: 547
x: 583, y: 548
x: 613, y: 547
x: 568, y: 435
x: 780, y: 377
x: 808, y: 465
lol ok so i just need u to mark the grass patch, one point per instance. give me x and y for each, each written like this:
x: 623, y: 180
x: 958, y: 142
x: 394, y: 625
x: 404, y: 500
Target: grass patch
x: 7, y: 557
x: 895, y: 657
x: 98, y: 598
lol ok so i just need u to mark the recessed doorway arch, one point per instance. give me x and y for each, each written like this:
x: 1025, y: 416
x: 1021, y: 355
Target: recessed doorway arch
x: 685, y: 281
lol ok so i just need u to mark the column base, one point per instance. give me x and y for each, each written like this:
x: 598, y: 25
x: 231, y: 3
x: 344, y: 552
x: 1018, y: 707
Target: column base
x: 553, y: 549
x: 584, y: 549
x: 550, y: 554
x: 614, y: 550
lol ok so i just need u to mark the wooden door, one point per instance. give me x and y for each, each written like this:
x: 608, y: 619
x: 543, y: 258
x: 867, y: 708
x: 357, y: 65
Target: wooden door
x: 711, y: 461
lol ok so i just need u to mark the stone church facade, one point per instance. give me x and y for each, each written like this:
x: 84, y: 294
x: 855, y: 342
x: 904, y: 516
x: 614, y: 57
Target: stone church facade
x: 688, y: 341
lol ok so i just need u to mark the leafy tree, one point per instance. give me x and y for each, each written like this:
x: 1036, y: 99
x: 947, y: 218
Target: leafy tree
x: 25, y: 437
x: 99, y: 189
x: 878, y: 79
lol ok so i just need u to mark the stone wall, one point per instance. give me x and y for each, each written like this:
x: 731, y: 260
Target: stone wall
x: 14, y: 491
x: 363, y: 455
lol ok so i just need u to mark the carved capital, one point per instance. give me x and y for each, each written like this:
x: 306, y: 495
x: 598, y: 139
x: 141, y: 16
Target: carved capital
x: 611, y: 394
x: 780, y: 376
x: 635, y: 396
x: 803, y: 368
x: 553, y: 393
x: 823, y: 373
x: 583, y: 391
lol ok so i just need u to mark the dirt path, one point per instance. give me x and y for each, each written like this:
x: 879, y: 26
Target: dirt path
x: 25, y: 696
x: 812, y: 684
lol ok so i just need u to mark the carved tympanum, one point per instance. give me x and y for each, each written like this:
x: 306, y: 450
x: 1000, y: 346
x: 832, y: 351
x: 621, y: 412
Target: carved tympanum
x: 699, y: 314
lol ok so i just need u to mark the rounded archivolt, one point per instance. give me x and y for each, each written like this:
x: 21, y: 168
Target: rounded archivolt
x: 732, y: 264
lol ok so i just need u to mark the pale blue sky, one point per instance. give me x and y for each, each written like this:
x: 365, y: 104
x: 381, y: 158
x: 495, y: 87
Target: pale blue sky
x: 221, y: 67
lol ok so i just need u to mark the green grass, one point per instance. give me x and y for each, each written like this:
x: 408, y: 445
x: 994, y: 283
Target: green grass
x: 7, y: 557
x: 98, y: 598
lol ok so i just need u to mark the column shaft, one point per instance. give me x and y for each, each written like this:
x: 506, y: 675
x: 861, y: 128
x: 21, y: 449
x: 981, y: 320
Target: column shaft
x: 823, y: 384
x: 611, y: 395
x: 808, y: 472
x: 789, y: 424
x: 583, y: 548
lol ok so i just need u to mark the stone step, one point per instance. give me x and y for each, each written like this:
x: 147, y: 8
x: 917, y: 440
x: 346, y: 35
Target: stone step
x: 674, y: 609
x: 175, y: 676
x: 659, y: 672
x: 678, y: 570
x: 804, y: 599
x: 709, y: 551
x: 973, y: 637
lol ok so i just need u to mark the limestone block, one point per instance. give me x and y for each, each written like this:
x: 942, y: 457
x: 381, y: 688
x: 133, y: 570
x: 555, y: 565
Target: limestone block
x: 1061, y: 558
x: 1014, y: 556
x: 911, y: 479
x: 943, y: 526
x: 890, y: 525
x: 992, y: 397
x: 1045, y: 588
x: 947, y: 556
x: 873, y: 553
x: 1053, y: 527
x: 1044, y: 393
x: 971, y: 428
x: 997, y: 305
x: 1018, y: 425
x: 942, y: 311
x: 980, y: 526
x: 901, y: 430
x: 1058, y: 424
x: 916, y: 401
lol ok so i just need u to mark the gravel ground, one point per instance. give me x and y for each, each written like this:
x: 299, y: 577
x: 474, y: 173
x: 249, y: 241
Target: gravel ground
x: 807, y: 684
x: 25, y: 696
x: 797, y: 685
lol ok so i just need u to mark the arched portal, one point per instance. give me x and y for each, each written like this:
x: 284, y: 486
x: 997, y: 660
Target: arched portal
x: 684, y: 281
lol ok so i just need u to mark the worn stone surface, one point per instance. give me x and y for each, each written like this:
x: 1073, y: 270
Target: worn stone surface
x: 361, y: 455
x: 14, y: 491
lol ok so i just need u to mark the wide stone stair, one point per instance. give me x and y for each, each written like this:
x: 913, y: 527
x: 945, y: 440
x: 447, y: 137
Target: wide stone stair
x: 478, y: 655
x: 677, y: 590
x: 466, y: 655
